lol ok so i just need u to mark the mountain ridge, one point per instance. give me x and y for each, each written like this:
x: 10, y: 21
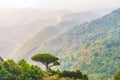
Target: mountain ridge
x: 88, y: 46
x: 61, y: 27
x: 19, y: 25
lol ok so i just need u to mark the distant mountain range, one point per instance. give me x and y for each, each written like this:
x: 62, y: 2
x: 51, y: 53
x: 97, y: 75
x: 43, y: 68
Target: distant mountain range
x: 52, y: 31
x: 92, y: 47
x: 18, y: 26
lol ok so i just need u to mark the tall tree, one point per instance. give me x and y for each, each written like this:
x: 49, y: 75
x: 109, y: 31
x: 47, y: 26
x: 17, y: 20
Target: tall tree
x: 47, y: 59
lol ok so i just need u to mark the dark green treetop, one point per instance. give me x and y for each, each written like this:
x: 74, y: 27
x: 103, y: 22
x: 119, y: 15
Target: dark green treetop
x: 46, y: 59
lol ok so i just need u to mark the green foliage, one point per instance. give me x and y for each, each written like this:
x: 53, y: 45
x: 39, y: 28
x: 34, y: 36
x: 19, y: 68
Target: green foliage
x: 46, y: 59
x: 84, y: 77
x: 4, y: 74
x: 53, y: 72
x: 117, y: 76
x: 72, y: 74
x: 30, y: 72
x: 13, y: 69
x: 45, y: 56
x: 9, y: 70
x: 69, y: 74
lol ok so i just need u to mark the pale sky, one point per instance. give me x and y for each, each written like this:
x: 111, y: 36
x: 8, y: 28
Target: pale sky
x: 61, y: 4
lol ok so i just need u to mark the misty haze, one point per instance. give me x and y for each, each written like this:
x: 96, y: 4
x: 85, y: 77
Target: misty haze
x: 82, y: 37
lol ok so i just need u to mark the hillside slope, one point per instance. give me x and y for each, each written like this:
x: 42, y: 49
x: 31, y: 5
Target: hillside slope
x: 67, y: 21
x: 17, y: 26
x: 92, y: 47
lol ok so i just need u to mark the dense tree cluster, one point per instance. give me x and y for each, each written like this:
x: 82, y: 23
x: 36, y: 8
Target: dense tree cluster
x: 69, y: 74
x: 9, y: 70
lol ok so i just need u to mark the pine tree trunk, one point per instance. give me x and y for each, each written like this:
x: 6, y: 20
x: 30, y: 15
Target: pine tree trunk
x: 47, y: 68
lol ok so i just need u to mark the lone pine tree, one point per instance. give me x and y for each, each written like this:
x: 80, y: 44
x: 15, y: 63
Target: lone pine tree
x: 47, y: 59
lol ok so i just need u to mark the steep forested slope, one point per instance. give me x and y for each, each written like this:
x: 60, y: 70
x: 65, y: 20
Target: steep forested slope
x: 92, y: 47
